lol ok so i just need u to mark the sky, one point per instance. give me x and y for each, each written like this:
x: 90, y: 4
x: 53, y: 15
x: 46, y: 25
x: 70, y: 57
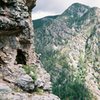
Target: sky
x: 54, y: 7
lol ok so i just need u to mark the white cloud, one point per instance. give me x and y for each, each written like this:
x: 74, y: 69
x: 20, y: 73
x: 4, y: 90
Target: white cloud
x: 41, y: 14
x: 52, y: 7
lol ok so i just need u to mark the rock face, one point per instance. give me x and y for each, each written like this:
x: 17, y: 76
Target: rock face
x: 20, y: 69
x: 70, y: 42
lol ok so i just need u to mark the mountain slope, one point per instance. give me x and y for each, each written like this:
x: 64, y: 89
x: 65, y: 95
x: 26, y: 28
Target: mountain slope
x: 69, y: 45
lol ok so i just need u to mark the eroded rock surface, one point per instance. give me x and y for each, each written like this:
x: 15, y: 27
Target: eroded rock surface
x: 20, y: 68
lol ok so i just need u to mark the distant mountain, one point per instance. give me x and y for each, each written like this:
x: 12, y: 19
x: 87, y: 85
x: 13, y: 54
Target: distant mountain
x: 69, y: 45
x: 44, y: 21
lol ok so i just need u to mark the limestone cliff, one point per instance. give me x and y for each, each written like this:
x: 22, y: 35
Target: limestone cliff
x: 21, y: 74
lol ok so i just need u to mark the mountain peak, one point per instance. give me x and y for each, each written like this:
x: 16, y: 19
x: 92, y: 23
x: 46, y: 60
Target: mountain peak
x: 78, y: 4
x: 77, y: 9
x: 96, y: 10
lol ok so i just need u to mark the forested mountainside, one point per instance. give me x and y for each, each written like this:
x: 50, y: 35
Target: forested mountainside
x: 69, y: 48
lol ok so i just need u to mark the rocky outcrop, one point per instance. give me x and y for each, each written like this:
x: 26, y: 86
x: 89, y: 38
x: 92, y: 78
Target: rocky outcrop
x: 70, y: 42
x: 21, y: 73
x: 23, y: 96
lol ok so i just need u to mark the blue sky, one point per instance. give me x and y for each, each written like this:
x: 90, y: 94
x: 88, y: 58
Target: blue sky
x: 53, y: 7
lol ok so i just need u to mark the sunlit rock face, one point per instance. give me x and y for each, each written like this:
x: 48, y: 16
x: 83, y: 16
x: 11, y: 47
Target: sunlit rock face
x: 20, y: 68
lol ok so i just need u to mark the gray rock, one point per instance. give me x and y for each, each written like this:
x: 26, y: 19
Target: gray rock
x: 47, y: 86
x: 25, y: 96
x: 39, y: 83
x: 14, y: 96
x: 45, y: 97
x: 4, y: 88
x: 43, y: 79
x: 16, y: 48
x: 26, y: 83
x: 18, y: 96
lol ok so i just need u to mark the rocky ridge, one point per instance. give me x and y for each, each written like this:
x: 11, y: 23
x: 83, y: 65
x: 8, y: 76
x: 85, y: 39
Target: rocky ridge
x: 71, y: 39
x: 22, y: 76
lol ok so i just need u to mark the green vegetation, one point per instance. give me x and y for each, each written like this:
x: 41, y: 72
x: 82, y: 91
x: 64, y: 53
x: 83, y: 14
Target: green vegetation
x: 67, y: 84
x: 69, y: 80
x: 70, y: 87
x: 81, y: 74
x: 30, y: 70
x: 17, y: 89
x: 72, y: 90
x: 39, y: 91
